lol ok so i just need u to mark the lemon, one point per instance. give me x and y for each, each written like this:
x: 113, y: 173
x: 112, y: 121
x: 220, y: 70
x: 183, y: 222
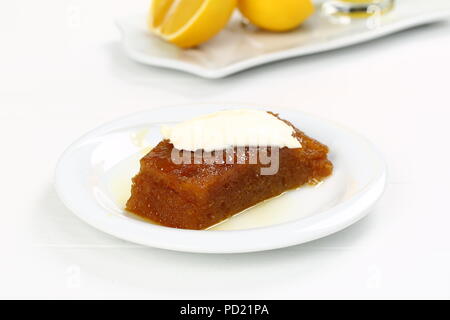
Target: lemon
x: 188, y: 23
x: 276, y: 15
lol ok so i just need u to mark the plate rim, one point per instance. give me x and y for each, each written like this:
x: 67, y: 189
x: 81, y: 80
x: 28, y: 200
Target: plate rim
x: 362, y: 201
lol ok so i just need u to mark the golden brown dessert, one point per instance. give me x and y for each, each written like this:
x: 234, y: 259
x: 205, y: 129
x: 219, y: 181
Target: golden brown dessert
x: 197, y: 196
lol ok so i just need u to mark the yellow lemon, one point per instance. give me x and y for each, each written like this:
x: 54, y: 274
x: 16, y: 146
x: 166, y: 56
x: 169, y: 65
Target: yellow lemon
x: 188, y: 23
x: 276, y: 15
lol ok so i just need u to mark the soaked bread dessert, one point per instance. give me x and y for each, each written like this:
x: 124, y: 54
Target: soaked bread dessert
x: 197, y: 194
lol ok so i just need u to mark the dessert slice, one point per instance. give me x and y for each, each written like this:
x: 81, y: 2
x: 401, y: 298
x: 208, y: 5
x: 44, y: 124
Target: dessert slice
x: 198, y: 193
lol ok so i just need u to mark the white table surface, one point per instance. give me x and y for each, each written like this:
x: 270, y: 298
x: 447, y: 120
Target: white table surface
x: 62, y: 72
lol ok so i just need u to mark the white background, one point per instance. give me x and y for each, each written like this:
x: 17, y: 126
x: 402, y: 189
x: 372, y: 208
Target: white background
x: 62, y: 72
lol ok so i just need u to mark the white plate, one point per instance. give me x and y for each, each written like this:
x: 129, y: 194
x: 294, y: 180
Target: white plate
x: 93, y: 179
x: 240, y: 47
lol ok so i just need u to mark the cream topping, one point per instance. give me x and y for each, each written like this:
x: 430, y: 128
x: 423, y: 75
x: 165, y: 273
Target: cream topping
x: 231, y: 128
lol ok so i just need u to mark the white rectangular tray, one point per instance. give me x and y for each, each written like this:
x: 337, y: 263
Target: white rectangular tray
x: 239, y: 47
